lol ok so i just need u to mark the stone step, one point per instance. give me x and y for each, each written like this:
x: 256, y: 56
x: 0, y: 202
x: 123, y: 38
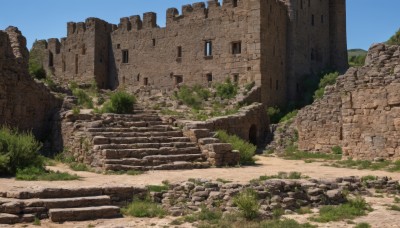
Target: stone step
x: 70, y: 202
x: 183, y: 144
x: 134, y: 140
x: 139, y: 134
x: 141, y: 153
x: 170, y: 166
x: 134, y: 129
x: 83, y: 213
x: 155, y: 160
x: 11, y: 219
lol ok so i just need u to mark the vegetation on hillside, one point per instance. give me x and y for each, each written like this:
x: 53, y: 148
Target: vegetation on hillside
x: 395, y: 39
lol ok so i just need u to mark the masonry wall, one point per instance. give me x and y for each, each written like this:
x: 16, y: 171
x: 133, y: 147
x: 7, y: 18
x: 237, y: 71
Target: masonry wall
x: 361, y: 112
x: 153, y: 51
x: 316, y: 41
x: 24, y: 103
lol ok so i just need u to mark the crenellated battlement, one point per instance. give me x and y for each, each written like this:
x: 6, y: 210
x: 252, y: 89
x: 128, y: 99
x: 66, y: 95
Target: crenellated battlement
x: 198, y: 10
x: 90, y: 24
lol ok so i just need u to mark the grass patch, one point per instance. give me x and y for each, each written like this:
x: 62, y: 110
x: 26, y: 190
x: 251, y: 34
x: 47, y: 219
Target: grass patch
x: 36, y: 222
x: 304, y: 210
x: 247, y: 202
x: 280, y: 175
x: 246, y: 150
x: 394, y: 208
x: 292, y: 153
x: 363, y: 225
x: 40, y: 174
x: 121, y: 172
x: 212, y: 216
x: 83, y: 98
x: 158, y: 188
x: 223, y: 180
x: 79, y: 166
x: 370, y: 165
x: 353, y: 208
x: 144, y: 208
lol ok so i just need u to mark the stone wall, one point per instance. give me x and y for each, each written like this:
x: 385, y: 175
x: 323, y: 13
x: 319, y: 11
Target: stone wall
x: 273, y: 43
x: 250, y: 123
x: 360, y: 113
x: 24, y: 103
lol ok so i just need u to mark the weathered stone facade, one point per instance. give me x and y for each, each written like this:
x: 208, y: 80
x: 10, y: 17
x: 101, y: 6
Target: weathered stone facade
x: 271, y: 42
x: 24, y: 103
x: 361, y: 112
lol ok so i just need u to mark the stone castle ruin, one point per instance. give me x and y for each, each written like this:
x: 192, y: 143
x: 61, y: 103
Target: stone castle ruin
x: 273, y: 43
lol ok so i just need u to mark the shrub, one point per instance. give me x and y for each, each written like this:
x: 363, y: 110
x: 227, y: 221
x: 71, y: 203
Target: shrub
x: 337, y: 150
x: 226, y: 90
x: 189, y: 97
x: 37, y: 71
x: 327, y: 79
x: 247, y: 203
x: 249, y: 86
x: 363, y: 225
x: 40, y: 174
x: 18, y: 151
x: 289, y: 116
x: 120, y: 102
x: 246, y: 150
x: 78, y: 166
x: 144, y: 208
x: 83, y: 98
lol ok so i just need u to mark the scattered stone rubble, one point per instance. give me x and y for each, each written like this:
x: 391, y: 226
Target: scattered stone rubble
x: 288, y: 195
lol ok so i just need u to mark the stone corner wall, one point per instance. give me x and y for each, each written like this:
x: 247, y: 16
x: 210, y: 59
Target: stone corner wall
x: 24, y: 103
x: 361, y: 113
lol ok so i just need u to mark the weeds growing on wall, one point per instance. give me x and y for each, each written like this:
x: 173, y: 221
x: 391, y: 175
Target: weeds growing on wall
x: 226, y: 90
x: 246, y: 149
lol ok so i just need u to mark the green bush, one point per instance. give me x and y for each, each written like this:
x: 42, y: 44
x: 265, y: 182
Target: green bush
x: 144, y: 208
x: 327, y: 79
x: 246, y: 150
x: 83, y: 98
x: 363, y: 225
x: 337, y: 150
x: 37, y: 71
x: 247, y: 202
x: 190, y: 98
x: 395, y: 39
x: 249, y: 86
x: 78, y: 166
x: 120, y: 102
x: 227, y: 90
x: 18, y: 151
x: 40, y: 174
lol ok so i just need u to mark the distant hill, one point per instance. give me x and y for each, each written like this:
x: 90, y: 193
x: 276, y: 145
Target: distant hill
x: 356, y: 52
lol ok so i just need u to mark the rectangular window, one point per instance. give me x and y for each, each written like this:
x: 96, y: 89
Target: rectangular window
x: 178, y: 79
x: 145, y: 81
x: 312, y: 20
x: 154, y: 42
x: 236, y: 48
x: 51, y: 59
x: 235, y: 78
x: 209, y: 77
x: 179, y: 52
x: 235, y: 3
x: 118, y: 46
x: 125, y: 56
x: 208, y: 48
x: 76, y: 64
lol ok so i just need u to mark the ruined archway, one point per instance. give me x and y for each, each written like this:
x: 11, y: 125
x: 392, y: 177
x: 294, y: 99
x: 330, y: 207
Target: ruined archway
x: 253, y: 134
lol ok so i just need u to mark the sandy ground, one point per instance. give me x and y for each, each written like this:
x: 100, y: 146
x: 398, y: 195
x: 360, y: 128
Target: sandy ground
x: 380, y: 217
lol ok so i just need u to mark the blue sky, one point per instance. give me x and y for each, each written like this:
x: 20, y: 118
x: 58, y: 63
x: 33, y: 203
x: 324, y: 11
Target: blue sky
x: 369, y: 21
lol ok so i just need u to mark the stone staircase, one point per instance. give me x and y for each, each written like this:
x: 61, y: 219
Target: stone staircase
x: 142, y: 141
x: 60, y: 205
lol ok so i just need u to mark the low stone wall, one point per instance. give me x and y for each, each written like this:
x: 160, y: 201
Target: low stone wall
x: 272, y: 194
x: 250, y: 123
x: 361, y: 113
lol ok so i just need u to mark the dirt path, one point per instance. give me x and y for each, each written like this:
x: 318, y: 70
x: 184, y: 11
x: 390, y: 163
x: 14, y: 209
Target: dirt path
x: 265, y: 166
